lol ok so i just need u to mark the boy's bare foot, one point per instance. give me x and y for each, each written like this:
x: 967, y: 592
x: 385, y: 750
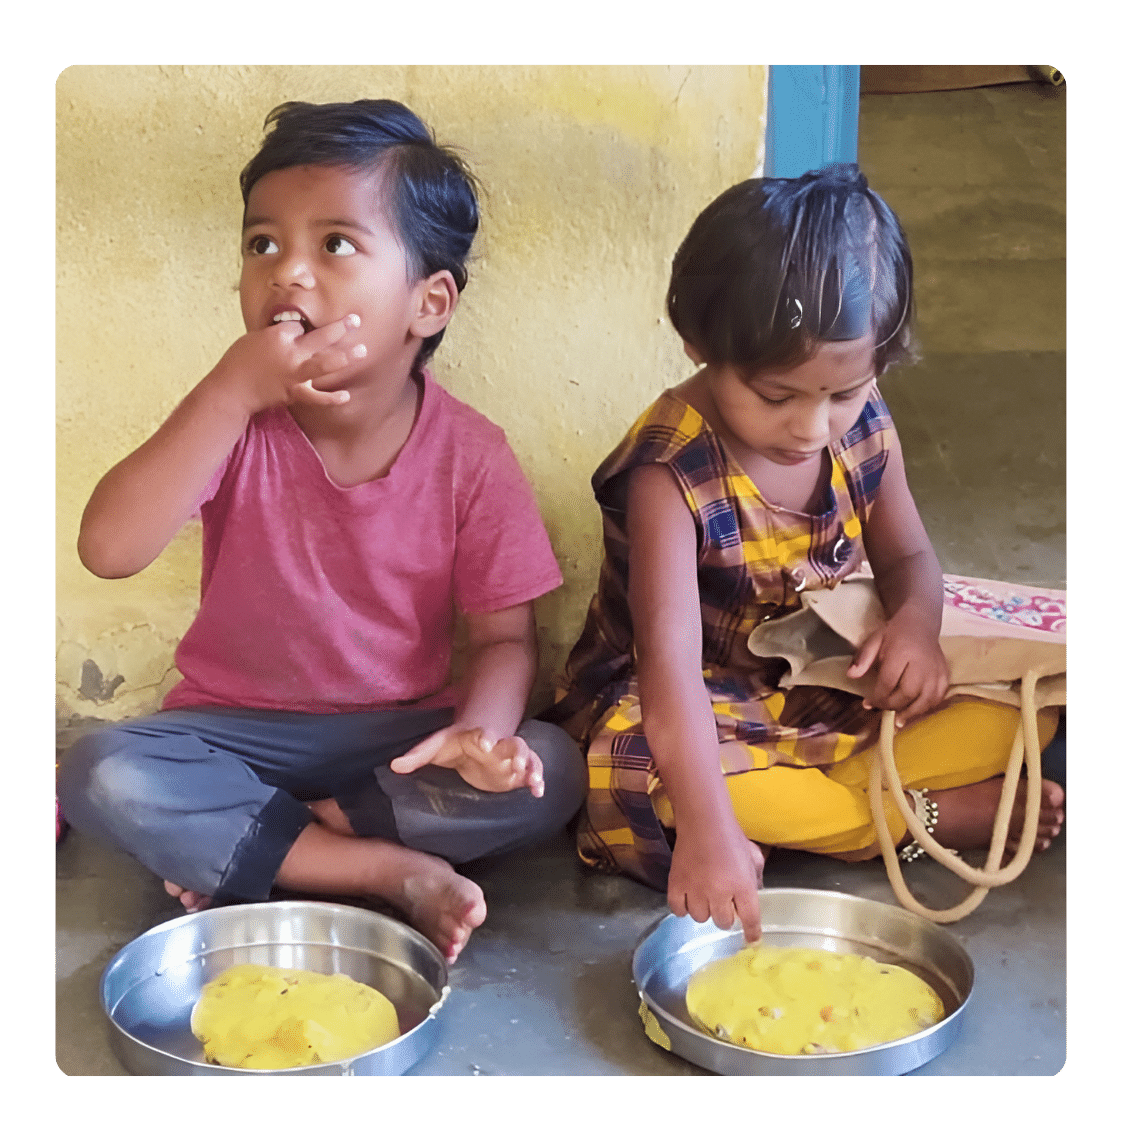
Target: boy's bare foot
x: 438, y: 901
x: 966, y: 815
x: 188, y: 898
x: 444, y: 906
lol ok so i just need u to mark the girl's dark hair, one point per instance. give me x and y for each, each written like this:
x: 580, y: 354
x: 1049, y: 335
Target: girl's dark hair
x: 431, y: 195
x: 760, y: 278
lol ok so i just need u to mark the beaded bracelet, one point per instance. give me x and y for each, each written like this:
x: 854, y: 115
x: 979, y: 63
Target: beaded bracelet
x: 928, y: 812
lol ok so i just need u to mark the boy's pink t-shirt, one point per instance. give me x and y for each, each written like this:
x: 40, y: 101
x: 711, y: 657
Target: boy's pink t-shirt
x: 323, y: 599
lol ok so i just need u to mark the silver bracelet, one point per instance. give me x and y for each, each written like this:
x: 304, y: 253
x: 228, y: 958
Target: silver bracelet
x: 928, y: 812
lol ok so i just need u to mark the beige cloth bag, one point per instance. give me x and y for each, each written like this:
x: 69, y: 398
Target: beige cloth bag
x: 1002, y: 642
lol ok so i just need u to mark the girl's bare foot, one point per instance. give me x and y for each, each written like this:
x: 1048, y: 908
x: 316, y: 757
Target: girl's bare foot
x: 188, y: 898
x: 438, y: 901
x: 966, y: 814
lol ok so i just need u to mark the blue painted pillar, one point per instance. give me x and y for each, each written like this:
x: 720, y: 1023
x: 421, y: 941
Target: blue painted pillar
x: 812, y: 117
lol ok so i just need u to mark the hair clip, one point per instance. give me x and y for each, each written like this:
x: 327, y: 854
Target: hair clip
x: 797, y: 314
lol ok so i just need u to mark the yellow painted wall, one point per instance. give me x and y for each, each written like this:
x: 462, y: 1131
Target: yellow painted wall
x: 592, y: 176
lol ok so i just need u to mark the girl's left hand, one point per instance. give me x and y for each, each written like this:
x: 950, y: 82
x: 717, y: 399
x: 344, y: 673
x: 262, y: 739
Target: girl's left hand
x: 911, y: 672
x: 482, y: 762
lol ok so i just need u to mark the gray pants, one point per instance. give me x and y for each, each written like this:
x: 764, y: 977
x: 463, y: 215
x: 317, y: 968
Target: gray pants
x: 213, y: 798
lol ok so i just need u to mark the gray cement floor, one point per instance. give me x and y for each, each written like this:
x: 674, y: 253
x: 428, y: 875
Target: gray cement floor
x: 544, y: 988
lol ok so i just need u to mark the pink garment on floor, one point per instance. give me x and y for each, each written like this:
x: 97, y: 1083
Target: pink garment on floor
x: 321, y: 599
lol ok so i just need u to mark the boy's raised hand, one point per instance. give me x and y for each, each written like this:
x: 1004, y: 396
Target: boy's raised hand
x: 283, y: 365
x: 482, y: 762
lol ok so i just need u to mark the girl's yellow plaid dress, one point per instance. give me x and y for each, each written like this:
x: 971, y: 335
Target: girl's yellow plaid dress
x: 794, y: 760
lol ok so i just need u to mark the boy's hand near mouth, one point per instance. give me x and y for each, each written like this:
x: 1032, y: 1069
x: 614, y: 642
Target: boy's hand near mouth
x: 282, y: 365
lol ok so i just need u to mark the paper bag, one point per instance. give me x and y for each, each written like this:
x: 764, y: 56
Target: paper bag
x: 1002, y: 642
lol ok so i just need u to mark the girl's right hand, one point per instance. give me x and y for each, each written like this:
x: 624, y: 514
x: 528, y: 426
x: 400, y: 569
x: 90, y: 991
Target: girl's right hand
x: 282, y: 365
x: 717, y: 876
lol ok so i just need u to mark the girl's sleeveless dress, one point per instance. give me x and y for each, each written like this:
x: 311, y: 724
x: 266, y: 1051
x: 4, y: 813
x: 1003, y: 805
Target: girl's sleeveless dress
x: 753, y: 560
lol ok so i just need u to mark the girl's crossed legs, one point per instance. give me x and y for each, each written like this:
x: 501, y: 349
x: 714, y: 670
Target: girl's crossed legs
x: 958, y: 752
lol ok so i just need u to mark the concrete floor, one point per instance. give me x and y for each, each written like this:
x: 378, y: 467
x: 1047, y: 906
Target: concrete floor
x: 544, y: 988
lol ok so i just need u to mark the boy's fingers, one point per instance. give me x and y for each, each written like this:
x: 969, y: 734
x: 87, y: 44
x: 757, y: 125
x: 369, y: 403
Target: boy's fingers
x: 317, y: 339
x: 526, y: 766
x: 318, y: 352
x: 476, y: 745
x: 517, y: 777
x: 421, y: 754
x: 307, y: 394
x: 324, y: 366
x: 512, y: 751
x: 535, y: 773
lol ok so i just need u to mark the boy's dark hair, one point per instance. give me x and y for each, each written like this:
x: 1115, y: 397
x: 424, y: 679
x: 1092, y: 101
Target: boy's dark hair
x: 771, y: 266
x: 431, y: 195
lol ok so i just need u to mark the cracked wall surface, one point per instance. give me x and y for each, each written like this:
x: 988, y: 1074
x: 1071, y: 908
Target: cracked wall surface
x: 591, y: 177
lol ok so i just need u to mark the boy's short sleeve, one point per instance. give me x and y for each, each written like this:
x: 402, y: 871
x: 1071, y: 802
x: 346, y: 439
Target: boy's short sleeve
x: 503, y: 555
x: 214, y: 483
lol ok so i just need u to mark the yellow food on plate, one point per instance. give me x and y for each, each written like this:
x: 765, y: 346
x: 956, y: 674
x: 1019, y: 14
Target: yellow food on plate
x: 799, y: 1001
x: 265, y: 1018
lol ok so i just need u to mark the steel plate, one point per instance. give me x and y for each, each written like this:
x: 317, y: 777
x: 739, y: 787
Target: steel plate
x: 149, y: 988
x: 674, y: 948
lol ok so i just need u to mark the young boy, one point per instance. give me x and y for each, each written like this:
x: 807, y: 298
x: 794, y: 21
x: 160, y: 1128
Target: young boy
x: 350, y: 507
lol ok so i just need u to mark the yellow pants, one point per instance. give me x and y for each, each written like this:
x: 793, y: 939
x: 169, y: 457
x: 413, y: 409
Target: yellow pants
x: 826, y: 810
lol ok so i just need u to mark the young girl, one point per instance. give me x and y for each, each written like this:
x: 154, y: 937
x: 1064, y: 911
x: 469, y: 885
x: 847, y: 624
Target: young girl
x: 350, y: 506
x: 772, y: 470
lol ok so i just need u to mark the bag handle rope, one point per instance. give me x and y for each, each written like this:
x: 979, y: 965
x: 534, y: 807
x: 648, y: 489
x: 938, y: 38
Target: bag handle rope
x: 883, y: 775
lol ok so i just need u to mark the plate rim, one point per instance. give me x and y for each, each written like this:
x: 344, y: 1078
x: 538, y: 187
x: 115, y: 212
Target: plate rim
x: 190, y: 919
x: 660, y: 1013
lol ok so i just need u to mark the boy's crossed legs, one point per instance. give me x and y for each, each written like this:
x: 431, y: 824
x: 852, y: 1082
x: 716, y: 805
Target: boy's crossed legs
x: 327, y: 857
x: 227, y: 803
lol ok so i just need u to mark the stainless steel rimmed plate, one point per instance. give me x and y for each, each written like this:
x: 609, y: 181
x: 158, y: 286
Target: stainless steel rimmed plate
x: 672, y: 949
x: 149, y: 988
